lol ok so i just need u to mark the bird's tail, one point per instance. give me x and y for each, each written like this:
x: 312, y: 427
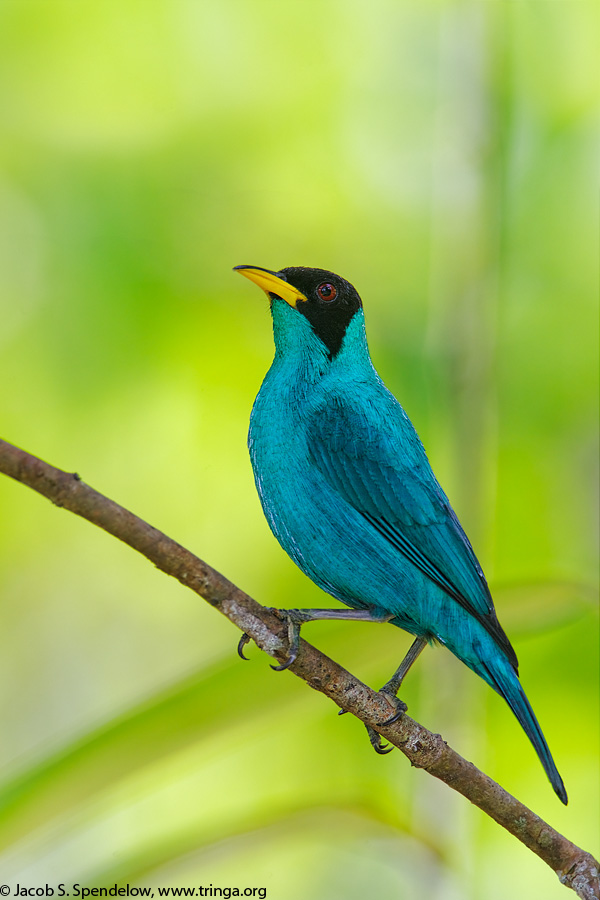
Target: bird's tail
x: 502, y: 677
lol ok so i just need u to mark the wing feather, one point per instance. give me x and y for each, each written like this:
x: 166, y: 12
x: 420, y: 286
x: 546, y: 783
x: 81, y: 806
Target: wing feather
x: 372, y: 456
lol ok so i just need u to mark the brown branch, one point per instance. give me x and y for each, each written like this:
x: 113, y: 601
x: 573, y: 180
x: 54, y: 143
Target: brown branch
x: 574, y: 867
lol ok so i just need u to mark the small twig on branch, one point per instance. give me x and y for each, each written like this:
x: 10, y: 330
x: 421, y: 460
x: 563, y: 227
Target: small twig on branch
x: 574, y: 867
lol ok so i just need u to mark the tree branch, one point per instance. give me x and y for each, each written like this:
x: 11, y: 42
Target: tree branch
x: 574, y: 867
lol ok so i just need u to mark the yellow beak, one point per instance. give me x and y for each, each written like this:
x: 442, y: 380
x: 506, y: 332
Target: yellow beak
x: 272, y: 284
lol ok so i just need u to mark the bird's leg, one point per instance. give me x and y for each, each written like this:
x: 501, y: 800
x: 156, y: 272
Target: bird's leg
x: 391, y: 688
x: 393, y: 685
x: 296, y: 618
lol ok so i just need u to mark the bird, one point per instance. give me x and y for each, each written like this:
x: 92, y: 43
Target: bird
x: 348, y: 491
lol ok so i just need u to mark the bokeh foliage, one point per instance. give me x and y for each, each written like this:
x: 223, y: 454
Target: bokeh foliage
x: 440, y: 155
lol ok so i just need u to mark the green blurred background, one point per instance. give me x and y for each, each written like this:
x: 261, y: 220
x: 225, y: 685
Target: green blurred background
x: 441, y: 156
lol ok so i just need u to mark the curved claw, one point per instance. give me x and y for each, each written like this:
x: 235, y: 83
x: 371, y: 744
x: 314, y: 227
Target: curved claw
x: 382, y: 749
x: 376, y: 744
x: 245, y: 639
x: 294, y: 619
x: 287, y: 663
x: 394, y: 718
x: 401, y: 708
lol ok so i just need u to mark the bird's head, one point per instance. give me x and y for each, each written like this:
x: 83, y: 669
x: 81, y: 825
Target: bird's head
x: 327, y: 302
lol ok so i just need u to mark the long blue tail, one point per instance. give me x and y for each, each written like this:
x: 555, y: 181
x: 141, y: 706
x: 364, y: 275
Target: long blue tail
x: 502, y: 677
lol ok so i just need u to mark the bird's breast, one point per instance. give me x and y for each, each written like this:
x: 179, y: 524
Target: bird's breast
x: 292, y: 490
x: 277, y: 441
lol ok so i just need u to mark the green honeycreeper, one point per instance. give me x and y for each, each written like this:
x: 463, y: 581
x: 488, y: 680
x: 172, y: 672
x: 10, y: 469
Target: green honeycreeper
x: 348, y: 492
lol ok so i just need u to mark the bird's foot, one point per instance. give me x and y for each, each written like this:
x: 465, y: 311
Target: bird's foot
x: 295, y: 619
x: 376, y: 742
x: 399, y: 706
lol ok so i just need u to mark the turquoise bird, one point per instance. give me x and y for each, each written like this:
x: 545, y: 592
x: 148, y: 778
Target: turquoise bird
x: 348, y: 492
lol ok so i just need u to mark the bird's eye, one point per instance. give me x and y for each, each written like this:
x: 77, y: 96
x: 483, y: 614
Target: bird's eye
x: 327, y: 292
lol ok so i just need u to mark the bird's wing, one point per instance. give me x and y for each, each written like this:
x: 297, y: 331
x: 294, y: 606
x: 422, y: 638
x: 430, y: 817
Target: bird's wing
x: 371, y: 454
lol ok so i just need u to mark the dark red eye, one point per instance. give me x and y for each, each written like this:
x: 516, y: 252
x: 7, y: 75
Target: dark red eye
x: 327, y: 292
